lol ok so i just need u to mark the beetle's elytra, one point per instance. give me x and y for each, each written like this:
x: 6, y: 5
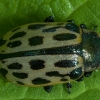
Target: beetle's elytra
x: 44, y: 54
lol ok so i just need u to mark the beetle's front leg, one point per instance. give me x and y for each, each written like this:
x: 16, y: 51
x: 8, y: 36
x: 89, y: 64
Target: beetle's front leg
x: 68, y: 86
x: 48, y: 88
x: 49, y: 19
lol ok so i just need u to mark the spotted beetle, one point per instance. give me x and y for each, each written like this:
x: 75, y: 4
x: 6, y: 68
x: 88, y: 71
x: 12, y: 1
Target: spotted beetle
x: 44, y: 54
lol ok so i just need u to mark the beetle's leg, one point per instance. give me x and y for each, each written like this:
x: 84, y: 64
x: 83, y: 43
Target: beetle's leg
x: 49, y: 19
x: 83, y: 26
x: 80, y: 79
x: 68, y: 85
x: 95, y: 27
x: 71, y: 21
x: 87, y: 74
x: 48, y: 88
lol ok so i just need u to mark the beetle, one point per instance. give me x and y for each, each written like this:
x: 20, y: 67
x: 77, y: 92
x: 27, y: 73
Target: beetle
x: 45, y: 54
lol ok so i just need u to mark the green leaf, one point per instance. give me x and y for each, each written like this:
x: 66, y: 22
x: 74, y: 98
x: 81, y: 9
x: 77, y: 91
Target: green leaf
x: 17, y: 12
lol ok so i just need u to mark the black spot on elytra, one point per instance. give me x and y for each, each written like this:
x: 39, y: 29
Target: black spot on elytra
x: 15, y: 66
x: 2, y: 51
x: 37, y: 40
x: 14, y: 44
x: 20, y: 75
x: 3, y: 61
x: 37, y: 64
x: 63, y: 79
x: 40, y: 81
x: 20, y: 83
x: 64, y: 36
x: 17, y: 35
x: 66, y: 63
x: 3, y: 72
x: 72, y: 27
x: 52, y: 29
x: 15, y: 29
x: 54, y: 73
x: 36, y: 26
x: 2, y: 42
x: 76, y: 73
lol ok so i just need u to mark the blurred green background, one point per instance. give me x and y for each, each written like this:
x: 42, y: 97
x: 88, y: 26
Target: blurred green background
x: 18, y: 12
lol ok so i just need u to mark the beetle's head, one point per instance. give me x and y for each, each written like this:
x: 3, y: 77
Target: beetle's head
x: 91, y: 50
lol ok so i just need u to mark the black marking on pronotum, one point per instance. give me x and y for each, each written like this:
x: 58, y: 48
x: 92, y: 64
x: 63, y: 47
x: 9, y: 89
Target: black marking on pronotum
x: 37, y: 64
x: 91, y: 45
x: 64, y: 36
x: 14, y: 44
x: 2, y: 42
x: 15, y: 29
x: 36, y: 26
x: 37, y: 40
x: 15, y: 66
x: 18, y: 82
x: 3, y: 72
x: 20, y: 75
x: 17, y: 35
x: 66, y: 63
x: 40, y: 80
x: 72, y: 49
x: 76, y: 73
x: 52, y: 29
x: 72, y: 27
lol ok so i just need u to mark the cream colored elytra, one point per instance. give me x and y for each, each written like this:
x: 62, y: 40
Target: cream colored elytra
x: 26, y: 61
